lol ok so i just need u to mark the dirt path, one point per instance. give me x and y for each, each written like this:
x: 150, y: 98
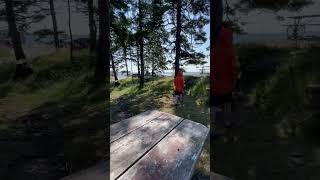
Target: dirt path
x: 259, y: 153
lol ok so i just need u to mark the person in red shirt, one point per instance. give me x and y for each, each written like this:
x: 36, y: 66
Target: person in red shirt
x: 179, y: 87
x: 225, y: 66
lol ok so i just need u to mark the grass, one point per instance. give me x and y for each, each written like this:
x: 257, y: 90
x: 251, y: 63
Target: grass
x: 59, y: 90
x: 54, y: 80
x: 283, y: 93
x: 129, y: 99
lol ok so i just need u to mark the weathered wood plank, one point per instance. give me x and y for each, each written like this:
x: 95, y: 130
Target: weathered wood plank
x: 174, y: 157
x: 127, y: 150
x: 126, y: 126
x: 98, y: 172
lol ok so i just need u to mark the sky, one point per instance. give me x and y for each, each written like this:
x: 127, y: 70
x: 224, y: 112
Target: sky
x: 266, y: 22
x: 257, y: 22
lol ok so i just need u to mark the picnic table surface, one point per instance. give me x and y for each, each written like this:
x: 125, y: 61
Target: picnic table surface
x: 151, y: 145
x: 155, y: 145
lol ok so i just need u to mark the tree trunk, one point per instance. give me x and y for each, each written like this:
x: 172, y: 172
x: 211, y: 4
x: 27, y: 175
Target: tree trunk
x: 92, y: 27
x: 138, y: 60
x: 13, y: 31
x: 22, y: 68
x: 125, y: 59
x: 141, y: 45
x: 54, y: 24
x: 141, y: 62
x: 102, y: 70
x: 178, y: 38
x: 70, y: 32
x: 152, y: 68
x: 113, y: 68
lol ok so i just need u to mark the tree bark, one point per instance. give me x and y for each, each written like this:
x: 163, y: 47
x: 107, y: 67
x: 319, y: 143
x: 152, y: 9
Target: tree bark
x: 13, y: 31
x: 22, y: 68
x: 114, y: 68
x: 92, y: 27
x: 54, y: 24
x: 138, y: 60
x: 125, y: 59
x: 178, y: 38
x: 152, y: 68
x: 141, y: 45
x: 70, y: 32
x: 102, y: 70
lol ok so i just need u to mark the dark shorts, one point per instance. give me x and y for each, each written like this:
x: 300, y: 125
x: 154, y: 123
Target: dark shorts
x: 220, y: 99
x: 177, y: 92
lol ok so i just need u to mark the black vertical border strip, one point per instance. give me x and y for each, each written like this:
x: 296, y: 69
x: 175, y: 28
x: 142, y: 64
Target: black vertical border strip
x: 108, y: 87
x: 216, y: 15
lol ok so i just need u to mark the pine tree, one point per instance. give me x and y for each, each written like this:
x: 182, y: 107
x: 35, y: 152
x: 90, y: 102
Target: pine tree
x: 54, y: 24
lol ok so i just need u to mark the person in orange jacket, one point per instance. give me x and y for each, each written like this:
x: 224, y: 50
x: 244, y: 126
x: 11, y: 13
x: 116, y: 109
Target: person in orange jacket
x: 179, y: 87
x: 225, y: 72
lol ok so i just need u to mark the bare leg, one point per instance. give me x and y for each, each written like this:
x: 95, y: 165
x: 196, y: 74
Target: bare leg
x: 180, y: 99
x: 175, y: 101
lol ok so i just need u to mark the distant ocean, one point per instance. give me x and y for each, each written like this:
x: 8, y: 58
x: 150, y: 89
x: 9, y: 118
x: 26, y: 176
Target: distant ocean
x: 170, y: 74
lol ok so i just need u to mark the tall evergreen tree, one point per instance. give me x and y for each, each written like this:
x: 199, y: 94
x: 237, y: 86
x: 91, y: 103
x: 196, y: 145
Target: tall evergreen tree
x: 70, y: 31
x: 141, y: 41
x: 22, y: 69
x: 92, y: 27
x: 187, y: 19
x: 87, y: 7
x: 54, y: 24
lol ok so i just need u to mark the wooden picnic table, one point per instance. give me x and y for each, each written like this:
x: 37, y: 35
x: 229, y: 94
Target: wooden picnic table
x: 152, y: 145
x: 155, y: 145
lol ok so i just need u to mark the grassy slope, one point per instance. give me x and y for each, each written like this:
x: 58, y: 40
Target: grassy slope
x: 283, y: 93
x: 128, y: 100
x: 56, y: 93
x: 54, y: 80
